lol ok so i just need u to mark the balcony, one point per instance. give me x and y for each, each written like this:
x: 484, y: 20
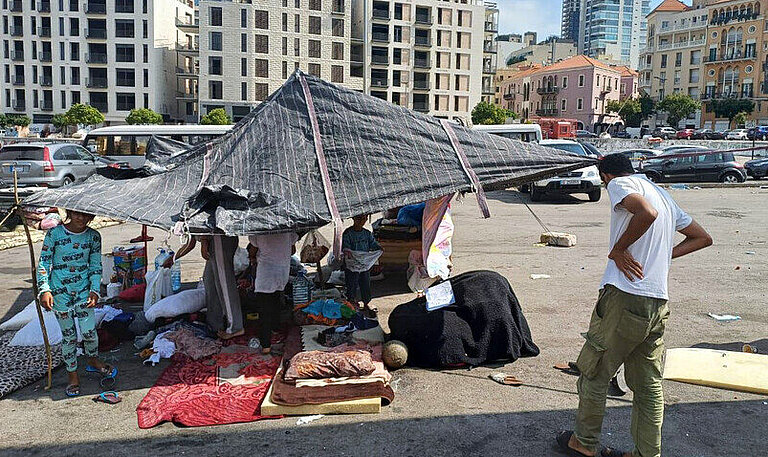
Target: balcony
x: 44, y: 32
x: 96, y: 83
x: 424, y: 19
x: 547, y: 112
x: 44, y: 7
x: 491, y: 27
x: 17, y: 56
x: 17, y: 30
x: 96, y: 57
x: 510, y: 96
x: 548, y: 90
x: 730, y: 57
x: 420, y: 84
x: 421, y: 63
x: 96, y: 33
x: 379, y: 82
x: 722, y: 20
x: 606, y: 90
x: 15, y: 6
x: 423, y: 42
x: 380, y: 14
x: 189, y: 47
x: 422, y: 107
x: 46, y: 81
x: 489, y: 69
x: 187, y: 25
x: 186, y: 95
x: 187, y: 71
x: 46, y: 105
x: 18, y: 80
x: 380, y: 37
x: 379, y: 59
x: 490, y: 48
x: 95, y: 8
x: 45, y: 56
x: 488, y: 90
x: 19, y: 105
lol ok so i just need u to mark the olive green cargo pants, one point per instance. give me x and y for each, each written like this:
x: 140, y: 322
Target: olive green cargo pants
x: 625, y: 329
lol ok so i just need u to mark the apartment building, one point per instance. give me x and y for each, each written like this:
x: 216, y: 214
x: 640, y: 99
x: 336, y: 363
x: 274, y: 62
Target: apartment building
x: 577, y: 88
x: 544, y: 53
x: 569, y: 22
x: 115, y: 55
x: 613, y: 30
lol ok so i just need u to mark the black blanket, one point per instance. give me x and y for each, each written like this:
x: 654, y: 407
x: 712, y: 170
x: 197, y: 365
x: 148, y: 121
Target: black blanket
x: 485, y: 324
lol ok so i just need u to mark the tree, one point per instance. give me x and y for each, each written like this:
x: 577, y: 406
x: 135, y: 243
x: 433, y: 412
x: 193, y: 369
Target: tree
x: 488, y: 113
x: 19, y: 121
x: 678, y: 107
x: 143, y: 116
x: 60, y: 121
x: 216, y: 117
x: 647, y: 106
x: 740, y: 119
x: 629, y: 109
x: 84, y: 114
x: 4, y: 122
x: 731, y: 107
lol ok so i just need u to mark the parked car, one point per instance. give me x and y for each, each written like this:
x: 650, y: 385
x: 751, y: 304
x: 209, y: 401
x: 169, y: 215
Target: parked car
x: 737, y: 134
x: 684, y: 134
x: 585, y: 134
x: 637, y: 132
x: 707, y: 134
x: 638, y: 157
x: 757, y: 168
x: 664, y: 132
x: 47, y: 164
x: 758, y: 133
x: 592, y: 149
x: 713, y: 166
x: 622, y: 134
x: 681, y: 149
x: 581, y: 181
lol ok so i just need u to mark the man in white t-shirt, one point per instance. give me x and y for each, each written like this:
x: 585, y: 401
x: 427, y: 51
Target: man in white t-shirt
x: 627, y: 325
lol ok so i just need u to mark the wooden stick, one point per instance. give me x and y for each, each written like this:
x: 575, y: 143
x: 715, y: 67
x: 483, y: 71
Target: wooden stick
x: 33, y: 267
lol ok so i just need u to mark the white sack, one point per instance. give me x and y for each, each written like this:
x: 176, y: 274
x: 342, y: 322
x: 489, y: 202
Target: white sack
x: 186, y: 301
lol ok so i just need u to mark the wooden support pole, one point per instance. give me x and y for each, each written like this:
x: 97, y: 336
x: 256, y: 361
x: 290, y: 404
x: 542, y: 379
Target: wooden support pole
x: 33, y: 267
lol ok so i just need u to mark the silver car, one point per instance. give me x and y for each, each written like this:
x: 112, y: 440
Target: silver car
x: 47, y: 164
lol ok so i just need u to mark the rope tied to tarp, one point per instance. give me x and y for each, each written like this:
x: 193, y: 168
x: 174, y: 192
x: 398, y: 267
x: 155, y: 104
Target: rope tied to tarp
x: 322, y: 163
x: 477, y: 187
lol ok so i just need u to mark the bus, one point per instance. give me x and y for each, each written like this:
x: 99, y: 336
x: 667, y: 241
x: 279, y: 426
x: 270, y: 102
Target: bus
x: 528, y: 133
x: 128, y: 143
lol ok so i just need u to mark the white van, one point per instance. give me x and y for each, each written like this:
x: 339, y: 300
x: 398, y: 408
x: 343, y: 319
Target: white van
x: 528, y: 133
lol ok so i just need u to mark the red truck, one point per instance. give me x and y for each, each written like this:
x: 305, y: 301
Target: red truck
x: 554, y: 128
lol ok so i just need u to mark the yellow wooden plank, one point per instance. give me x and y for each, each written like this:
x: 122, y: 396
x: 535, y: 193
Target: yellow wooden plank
x: 714, y: 368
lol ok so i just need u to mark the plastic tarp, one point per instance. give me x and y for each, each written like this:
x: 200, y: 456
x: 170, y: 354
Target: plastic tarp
x: 267, y: 174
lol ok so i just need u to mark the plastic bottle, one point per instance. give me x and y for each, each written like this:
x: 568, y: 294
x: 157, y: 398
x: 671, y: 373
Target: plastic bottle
x: 162, y: 257
x: 301, y: 289
x: 176, y: 276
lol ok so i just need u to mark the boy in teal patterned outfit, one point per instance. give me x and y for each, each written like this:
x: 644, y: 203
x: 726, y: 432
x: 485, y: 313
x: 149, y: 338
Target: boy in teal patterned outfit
x: 69, y: 279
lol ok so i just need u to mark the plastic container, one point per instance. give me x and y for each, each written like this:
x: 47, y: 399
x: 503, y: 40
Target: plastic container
x: 113, y: 289
x: 162, y: 257
x: 176, y: 276
x: 302, y: 287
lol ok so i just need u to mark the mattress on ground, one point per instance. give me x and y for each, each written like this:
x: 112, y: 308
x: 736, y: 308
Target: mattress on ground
x: 715, y: 368
x: 23, y: 365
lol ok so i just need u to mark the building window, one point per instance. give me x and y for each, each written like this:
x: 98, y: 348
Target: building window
x: 146, y: 77
x: 285, y: 22
x: 243, y: 66
x: 285, y: 69
x: 296, y: 47
x: 297, y: 4
x: 261, y: 45
x: 337, y: 51
x: 243, y: 90
x: 581, y: 80
x: 579, y: 104
x: 314, y: 69
x: 74, y: 5
x: 397, y: 56
x: 214, y: 65
x: 285, y: 46
x: 144, y: 6
x: 214, y: 90
x: 337, y: 27
x: 262, y: 68
x: 563, y: 104
x: 125, y: 102
x: 124, y: 53
x: 215, y: 43
x: 297, y: 23
x: 243, y: 42
x: 74, y: 26
x: 313, y: 48
x: 262, y: 19
x: 125, y: 77
x: 124, y: 28
x: 63, y: 99
x: 314, y: 25
x: 123, y: 6
x: 663, y: 61
x: 261, y: 91
x: 75, y: 76
x: 337, y: 74
x: 565, y: 82
x: 679, y: 59
x: 215, y: 17
x: 315, y: 5
x: 75, y: 96
x: 145, y: 51
x: 244, y: 18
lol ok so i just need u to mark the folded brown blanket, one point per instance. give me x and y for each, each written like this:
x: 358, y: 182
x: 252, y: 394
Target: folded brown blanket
x: 320, y: 364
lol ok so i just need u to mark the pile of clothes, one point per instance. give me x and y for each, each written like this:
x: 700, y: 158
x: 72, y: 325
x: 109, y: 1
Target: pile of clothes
x: 192, y: 339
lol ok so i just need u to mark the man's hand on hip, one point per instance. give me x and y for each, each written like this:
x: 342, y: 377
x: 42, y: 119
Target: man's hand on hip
x: 626, y: 264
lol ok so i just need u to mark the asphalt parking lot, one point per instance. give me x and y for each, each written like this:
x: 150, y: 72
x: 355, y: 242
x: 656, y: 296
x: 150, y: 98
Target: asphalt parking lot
x: 462, y: 412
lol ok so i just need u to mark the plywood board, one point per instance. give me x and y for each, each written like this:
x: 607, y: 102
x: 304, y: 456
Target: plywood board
x: 361, y: 406
x: 714, y: 368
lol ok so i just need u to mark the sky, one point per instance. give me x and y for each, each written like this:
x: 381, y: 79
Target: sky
x: 542, y: 16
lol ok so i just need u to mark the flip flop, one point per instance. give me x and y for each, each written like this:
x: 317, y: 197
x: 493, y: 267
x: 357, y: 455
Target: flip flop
x: 562, y: 441
x: 506, y: 379
x: 568, y: 368
x: 109, y: 397
x: 72, y: 390
x: 228, y: 336
x: 108, y: 371
x: 608, y: 452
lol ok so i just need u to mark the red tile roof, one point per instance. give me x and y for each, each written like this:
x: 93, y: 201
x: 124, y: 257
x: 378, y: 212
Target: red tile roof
x: 671, y: 6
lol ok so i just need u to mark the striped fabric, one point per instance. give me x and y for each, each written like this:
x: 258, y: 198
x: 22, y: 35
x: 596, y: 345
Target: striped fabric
x: 263, y: 176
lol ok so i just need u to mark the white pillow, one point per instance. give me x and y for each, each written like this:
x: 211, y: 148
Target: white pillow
x: 32, y: 335
x: 20, y: 319
x: 186, y: 301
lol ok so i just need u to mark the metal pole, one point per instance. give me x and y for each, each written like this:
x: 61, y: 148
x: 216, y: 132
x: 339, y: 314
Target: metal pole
x: 33, y: 268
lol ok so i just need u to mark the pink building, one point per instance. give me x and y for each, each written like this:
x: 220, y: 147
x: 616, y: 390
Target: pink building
x: 575, y: 88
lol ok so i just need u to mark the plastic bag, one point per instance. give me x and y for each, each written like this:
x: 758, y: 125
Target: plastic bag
x: 359, y: 261
x: 158, y: 286
x: 241, y: 260
x: 315, y: 248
